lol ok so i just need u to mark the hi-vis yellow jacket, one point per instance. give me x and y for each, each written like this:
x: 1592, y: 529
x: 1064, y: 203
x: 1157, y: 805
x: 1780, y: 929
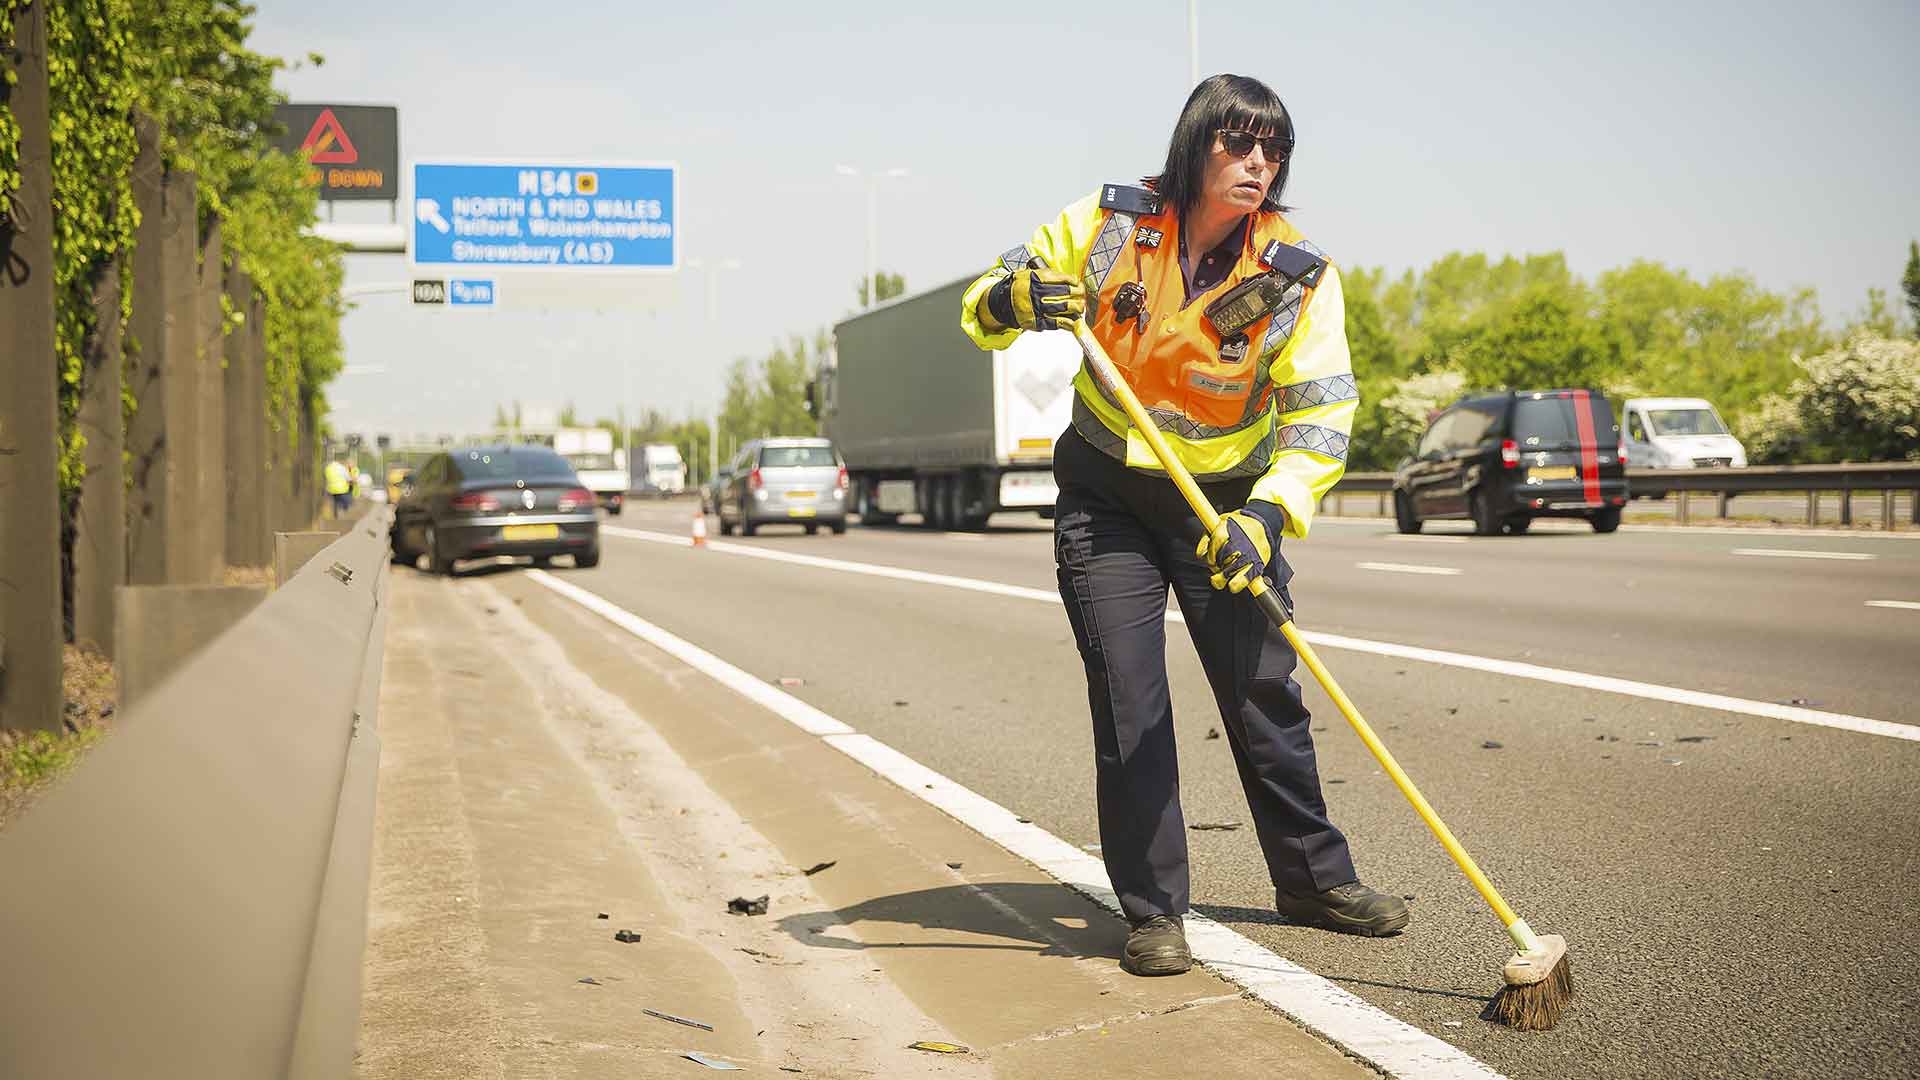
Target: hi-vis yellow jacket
x: 1281, y: 410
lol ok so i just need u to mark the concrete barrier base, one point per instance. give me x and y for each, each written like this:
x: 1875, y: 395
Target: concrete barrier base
x: 293, y: 550
x: 159, y: 627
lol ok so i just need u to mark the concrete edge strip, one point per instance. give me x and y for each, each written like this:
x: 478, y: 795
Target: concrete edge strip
x: 1797, y: 714
x: 1371, y: 1034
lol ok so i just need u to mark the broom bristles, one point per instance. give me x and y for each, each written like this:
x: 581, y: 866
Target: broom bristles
x: 1536, y: 1006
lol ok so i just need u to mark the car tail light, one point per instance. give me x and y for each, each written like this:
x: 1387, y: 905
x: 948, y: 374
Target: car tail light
x: 1623, y: 452
x: 841, y: 483
x: 1509, y: 454
x: 475, y: 500
x: 753, y: 480
x: 575, y: 498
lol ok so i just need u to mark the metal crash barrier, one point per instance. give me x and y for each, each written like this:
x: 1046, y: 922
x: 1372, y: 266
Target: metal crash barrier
x: 1888, y: 478
x: 191, y: 900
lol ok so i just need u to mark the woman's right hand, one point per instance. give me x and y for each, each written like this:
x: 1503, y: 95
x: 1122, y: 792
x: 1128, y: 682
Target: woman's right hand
x: 1036, y: 298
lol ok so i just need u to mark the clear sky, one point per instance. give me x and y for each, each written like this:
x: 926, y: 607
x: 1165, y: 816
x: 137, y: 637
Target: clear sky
x: 1782, y: 140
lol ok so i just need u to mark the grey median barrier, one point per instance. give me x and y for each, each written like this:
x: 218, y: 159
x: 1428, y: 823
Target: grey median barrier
x: 191, y: 900
x: 160, y: 627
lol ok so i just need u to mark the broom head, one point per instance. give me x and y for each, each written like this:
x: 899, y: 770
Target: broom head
x: 1539, y: 985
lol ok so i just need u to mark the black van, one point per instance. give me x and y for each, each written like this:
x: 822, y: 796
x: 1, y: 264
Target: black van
x: 1501, y: 460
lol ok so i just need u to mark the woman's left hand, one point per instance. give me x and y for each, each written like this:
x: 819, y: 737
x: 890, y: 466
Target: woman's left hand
x: 1242, y: 546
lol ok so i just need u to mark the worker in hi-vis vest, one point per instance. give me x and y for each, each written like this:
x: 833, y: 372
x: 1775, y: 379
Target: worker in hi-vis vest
x: 1230, y: 328
x: 339, y: 487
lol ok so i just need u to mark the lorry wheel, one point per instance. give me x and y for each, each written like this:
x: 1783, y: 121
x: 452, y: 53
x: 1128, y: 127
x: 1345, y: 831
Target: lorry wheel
x: 956, y: 514
x: 813, y: 529
x: 1403, y: 515
x: 1518, y: 526
x: 839, y: 527
x: 1606, y: 521
x: 933, y: 512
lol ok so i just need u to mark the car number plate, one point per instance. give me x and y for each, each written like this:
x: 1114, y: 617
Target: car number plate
x: 530, y: 532
x: 800, y: 511
x: 800, y: 494
x: 1551, y: 472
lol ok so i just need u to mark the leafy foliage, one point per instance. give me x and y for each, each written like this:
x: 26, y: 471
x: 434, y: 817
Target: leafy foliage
x: 1859, y: 401
x: 888, y: 285
x: 1910, y: 284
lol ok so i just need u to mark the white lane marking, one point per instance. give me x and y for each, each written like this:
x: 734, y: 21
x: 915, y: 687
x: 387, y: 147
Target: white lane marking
x: 1903, y: 605
x: 1414, y: 538
x: 1802, y: 553
x: 968, y: 538
x: 1410, y: 568
x: 1585, y: 680
x: 1386, y: 1042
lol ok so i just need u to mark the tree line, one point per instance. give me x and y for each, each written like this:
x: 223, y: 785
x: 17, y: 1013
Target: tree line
x: 1792, y: 387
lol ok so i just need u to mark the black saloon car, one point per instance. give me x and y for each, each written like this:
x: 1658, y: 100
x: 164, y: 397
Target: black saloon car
x: 482, y: 501
x: 1501, y: 460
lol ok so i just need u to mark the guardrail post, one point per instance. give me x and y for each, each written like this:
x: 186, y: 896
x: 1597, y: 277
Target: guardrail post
x: 1886, y: 509
x: 1813, y: 508
x: 1680, y: 506
x: 1722, y: 504
x: 1913, y: 509
x: 30, y: 616
x: 1846, y: 503
x: 1380, y: 504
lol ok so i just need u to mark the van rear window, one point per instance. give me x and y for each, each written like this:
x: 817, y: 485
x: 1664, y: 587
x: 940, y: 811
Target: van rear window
x: 788, y: 457
x: 1550, y: 421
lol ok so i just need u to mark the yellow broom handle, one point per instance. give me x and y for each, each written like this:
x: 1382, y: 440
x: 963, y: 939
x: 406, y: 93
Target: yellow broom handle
x: 1104, y: 370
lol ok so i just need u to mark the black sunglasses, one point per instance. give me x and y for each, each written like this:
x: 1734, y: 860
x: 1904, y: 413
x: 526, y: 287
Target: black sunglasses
x: 1240, y: 144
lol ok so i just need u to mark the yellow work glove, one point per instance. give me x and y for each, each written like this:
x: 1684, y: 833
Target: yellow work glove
x: 1240, y: 549
x: 1036, y: 299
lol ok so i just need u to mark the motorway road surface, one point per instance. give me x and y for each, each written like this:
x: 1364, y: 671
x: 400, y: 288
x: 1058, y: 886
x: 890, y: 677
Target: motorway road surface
x: 1736, y: 888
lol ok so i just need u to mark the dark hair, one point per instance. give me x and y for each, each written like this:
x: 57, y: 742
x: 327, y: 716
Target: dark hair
x: 1234, y: 102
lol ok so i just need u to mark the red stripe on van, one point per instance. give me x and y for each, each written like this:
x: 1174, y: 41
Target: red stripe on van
x: 1589, y: 446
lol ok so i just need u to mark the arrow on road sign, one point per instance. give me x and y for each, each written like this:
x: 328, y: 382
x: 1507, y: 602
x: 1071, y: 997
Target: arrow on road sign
x: 328, y: 142
x: 428, y: 210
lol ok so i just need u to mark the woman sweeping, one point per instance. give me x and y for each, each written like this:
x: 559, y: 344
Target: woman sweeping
x: 1230, y: 328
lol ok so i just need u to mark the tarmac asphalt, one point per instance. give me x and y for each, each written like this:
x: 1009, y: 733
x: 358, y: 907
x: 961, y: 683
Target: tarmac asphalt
x: 1734, y: 887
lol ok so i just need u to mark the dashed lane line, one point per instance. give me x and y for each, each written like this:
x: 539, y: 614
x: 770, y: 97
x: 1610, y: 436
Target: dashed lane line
x: 1797, y: 714
x: 1411, y: 568
x: 1899, y: 605
x: 1804, y: 553
x: 1392, y: 1045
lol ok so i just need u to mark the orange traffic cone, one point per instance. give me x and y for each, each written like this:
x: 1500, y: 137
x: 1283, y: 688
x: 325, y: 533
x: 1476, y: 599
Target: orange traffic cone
x: 699, y: 529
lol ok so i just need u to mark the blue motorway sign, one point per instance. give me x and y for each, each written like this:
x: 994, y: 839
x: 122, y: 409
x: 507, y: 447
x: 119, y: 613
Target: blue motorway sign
x: 537, y: 216
x: 470, y: 292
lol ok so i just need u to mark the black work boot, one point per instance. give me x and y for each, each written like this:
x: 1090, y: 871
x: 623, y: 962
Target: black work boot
x: 1352, y: 908
x: 1157, y: 946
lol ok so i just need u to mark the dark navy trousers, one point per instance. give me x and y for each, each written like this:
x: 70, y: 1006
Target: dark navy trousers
x: 1121, y: 538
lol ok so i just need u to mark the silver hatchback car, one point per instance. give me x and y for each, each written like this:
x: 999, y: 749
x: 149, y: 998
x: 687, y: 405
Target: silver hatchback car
x: 796, y: 481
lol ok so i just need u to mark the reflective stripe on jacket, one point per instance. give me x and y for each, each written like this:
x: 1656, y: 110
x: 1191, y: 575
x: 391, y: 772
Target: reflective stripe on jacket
x: 1282, y: 410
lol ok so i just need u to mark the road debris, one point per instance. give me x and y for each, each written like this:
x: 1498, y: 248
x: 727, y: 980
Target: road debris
x: 1646, y: 742
x: 1694, y: 738
x: 1492, y: 744
x: 1336, y: 781
x: 792, y: 680
x: 899, y: 703
x: 1453, y: 1023
x: 1670, y: 760
x: 1214, y: 826
x: 740, y: 905
x: 678, y: 1019
x: 933, y: 1047
x: 955, y: 865
x: 589, y: 980
x: 817, y: 867
x: 627, y: 937
x: 603, y: 915
x: 1213, y: 733
x: 711, y: 1063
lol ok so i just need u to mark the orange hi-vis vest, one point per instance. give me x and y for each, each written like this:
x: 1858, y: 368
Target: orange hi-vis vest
x: 1192, y: 383
x: 1274, y: 401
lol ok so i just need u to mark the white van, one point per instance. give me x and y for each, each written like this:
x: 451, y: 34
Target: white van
x: 1678, y: 433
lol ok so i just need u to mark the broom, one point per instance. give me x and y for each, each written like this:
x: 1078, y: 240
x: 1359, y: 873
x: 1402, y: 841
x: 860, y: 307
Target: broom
x: 1538, y: 978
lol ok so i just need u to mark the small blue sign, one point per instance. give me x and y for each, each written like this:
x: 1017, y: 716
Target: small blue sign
x: 545, y: 217
x: 470, y: 292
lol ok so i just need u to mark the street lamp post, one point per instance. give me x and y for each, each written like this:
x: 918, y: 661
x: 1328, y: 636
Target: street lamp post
x: 873, y: 221
x: 713, y: 314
